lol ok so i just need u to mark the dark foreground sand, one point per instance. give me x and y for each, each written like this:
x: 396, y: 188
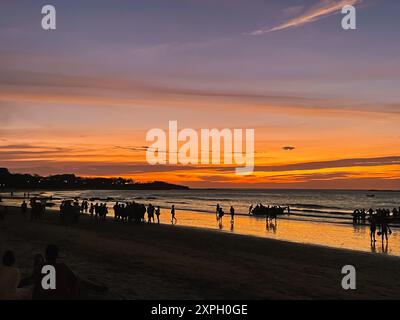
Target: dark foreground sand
x: 172, y: 262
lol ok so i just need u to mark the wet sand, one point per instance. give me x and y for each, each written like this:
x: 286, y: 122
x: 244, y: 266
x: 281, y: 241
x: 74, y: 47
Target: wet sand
x: 174, y: 262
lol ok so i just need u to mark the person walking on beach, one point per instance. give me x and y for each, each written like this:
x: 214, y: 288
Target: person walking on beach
x: 158, y: 212
x: 217, y: 211
x: 173, y: 219
x: 232, y: 210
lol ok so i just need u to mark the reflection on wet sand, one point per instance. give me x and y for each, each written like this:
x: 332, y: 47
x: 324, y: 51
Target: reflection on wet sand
x: 346, y: 236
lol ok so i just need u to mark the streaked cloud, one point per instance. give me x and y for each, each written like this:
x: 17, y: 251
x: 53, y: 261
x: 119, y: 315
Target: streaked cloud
x: 107, y: 168
x: 323, y: 9
x: 329, y: 164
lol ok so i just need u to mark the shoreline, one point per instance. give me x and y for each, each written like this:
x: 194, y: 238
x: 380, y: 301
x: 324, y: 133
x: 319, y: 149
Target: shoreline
x: 321, y: 233
x: 179, y: 262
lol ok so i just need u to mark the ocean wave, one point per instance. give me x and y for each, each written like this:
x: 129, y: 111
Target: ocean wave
x: 342, y: 213
x: 177, y: 202
x: 314, y: 206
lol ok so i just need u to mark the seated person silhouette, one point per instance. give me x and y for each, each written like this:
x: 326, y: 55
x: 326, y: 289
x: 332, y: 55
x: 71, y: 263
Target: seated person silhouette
x: 67, y: 284
x: 9, y: 277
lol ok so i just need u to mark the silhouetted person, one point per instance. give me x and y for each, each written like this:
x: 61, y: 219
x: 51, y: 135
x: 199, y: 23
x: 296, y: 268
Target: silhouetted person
x: 91, y: 211
x: 232, y: 211
x: 96, y: 211
x: 67, y: 285
x: 217, y: 211
x: 38, y: 262
x: 9, y: 277
x: 150, y: 213
x: 24, y: 207
x: 173, y: 219
x: 85, y: 206
x: 116, y: 209
x: 372, y: 229
x: 158, y: 212
x: 384, y: 230
x: 221, y: 213
x: 371, y: 212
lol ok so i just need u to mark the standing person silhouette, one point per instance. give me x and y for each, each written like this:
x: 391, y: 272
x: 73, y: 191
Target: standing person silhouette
x: 149, y: 212
x: 158, y: 212
x: 217, y: 209
x: 221, y: 214
x: 232, y: 210
x: 385, y: 229
x: 173, y: 219
x: 372, y: 229
x: 24, y: 207
x: 91, y: 211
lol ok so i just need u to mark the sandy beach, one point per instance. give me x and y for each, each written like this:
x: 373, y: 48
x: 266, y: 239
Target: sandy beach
x: 174, y: 262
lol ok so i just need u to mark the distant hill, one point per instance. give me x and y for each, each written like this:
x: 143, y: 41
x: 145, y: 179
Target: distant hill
x: 71, y: 182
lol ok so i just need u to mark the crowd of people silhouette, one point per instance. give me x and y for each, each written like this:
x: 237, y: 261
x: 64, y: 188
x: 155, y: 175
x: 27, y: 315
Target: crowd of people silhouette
x: 378, y: 219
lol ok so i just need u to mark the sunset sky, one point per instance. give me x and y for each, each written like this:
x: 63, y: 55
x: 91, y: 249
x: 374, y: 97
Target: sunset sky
x: 81, y: 98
